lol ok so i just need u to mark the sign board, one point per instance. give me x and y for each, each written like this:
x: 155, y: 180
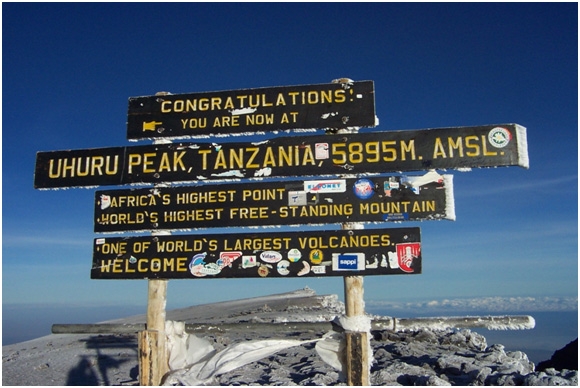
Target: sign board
x: 359, y: 252
x: 306, y: 201
x: 373, y: 152
x: 335, y: 105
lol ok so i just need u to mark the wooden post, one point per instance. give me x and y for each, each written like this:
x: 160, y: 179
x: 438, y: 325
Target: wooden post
x: 357, y: 343
x: 153, y: 363
x: 153, y: 357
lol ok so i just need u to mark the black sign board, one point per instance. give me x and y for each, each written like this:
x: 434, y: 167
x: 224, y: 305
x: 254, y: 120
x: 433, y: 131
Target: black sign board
x: 359, y: 252
x: 307, y: 201
x: 373, y: 152
x: 336, y: 105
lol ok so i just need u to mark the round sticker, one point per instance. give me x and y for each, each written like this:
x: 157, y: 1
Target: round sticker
x: 263, y: 271
x: 294, y: 255
x: 283, y: 267
x: 499, y: 137
x: 364, y: 188
x: 316, y: 256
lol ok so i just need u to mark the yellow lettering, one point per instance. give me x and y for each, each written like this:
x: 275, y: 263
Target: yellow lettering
x: 164, y: 165
x: 308, y: 156
x: 147, y: 162
x: 439, y: 151
x: 229, y: 104
x: 134, y: 160
x: 203, y: 154
x: 269, y: 159
x: 485, y: 151
x: 472, y: 146
x: 255, y: 151
x: 280, y: 100
x: 339, y: 95
x: 455, y: 145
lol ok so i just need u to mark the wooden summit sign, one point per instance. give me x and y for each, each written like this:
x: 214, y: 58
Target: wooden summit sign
x: 338, y: 105
x: 307, y: 201
x: 341, y: 252
x: 373, y: 152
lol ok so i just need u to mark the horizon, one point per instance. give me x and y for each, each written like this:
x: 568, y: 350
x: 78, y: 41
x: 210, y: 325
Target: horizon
x: 71, y: 68
x: 25, y: 328
x: 553, y: 329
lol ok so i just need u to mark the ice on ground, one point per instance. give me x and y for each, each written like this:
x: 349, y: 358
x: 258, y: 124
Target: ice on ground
x: 416, y: 357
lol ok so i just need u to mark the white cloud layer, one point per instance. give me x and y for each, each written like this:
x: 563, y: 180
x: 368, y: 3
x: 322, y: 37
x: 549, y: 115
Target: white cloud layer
x: 485, y: 304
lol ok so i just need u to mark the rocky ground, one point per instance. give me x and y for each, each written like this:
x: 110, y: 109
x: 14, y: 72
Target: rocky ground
x: 421, y: 357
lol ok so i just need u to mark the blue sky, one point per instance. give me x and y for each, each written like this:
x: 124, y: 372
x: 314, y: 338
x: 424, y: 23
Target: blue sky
x: 69, y: 69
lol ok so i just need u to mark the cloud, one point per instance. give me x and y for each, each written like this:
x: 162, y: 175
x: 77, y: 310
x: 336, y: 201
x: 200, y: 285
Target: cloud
x: 484, y: 304
x: 34, y: 239
x: 536, y: 185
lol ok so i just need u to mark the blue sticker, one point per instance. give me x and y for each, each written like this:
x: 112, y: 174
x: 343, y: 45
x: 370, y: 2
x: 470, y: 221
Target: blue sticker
x: 364, y: 188
x: 396, y: 217
x: 348, y: 261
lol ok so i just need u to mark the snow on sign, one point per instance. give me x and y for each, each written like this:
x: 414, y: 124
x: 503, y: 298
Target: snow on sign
x: 372, y: 152
x: 308, y: 201
x: 341, y: 104
x: 341, y: 252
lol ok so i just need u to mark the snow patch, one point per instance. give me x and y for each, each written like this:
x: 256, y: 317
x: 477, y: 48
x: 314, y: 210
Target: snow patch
x: 522, y: 137
x: 449, y: 197
x: 236, y: 173
x: 242, y: 111
x: 357, y: 324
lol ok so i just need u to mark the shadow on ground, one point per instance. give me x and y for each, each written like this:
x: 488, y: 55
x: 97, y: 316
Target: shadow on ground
x: 104, y: 368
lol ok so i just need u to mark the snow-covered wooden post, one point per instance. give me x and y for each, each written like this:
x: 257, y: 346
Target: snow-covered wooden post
x: 357, y: 340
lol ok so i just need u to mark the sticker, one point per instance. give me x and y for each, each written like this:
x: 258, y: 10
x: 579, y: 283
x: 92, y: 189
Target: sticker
x: 270, y: 256
x: 304, y: 270
x: 211, y: 269
x: 263, y: 271
x: 132, y: 259
x: 197, y: 264
x: 249, y: 261
x: 321, y: 151
x: 227, y: 258
x: 100, y: 241
x: 364, y: 188
x: 105, y: 201
x: 294, y: 255
x: 415, y: 182
x: 316, y: 256
x: 374, y: 264
x: 297, y: 198
x: 406, y: 254
x: 282, y: 267
x: 348, y: 261
x: 393, y: 260
x: 326, y: 186
x: 318, y: 269
x: 499, y: 137
x: 396, y: 217
x: 389, y: 186
x: 384, y: 263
